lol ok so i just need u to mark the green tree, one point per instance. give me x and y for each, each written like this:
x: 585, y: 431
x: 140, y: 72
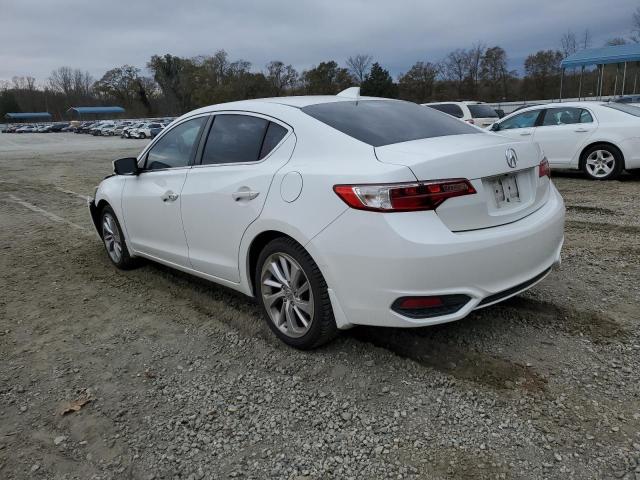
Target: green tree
x: 378, y: 83
x: 494, y: 73
x: 326, y: 79
x: 417, y: 84
x: 543, y: 73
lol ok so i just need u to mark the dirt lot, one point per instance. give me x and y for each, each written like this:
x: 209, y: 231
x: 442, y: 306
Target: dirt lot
x: 186, y: 382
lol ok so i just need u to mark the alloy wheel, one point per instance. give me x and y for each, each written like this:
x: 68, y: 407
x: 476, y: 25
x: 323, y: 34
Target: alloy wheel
x: 287, y: 295
x: 600, y: 163
x: 111, y: 237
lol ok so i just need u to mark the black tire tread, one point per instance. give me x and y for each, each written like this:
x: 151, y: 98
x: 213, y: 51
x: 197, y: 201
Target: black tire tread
x: 127, y: 262
x: 324, y: 328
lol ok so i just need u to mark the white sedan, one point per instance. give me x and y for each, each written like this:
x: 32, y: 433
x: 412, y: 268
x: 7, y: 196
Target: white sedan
x: 601, y: 139
x: 337, y: 210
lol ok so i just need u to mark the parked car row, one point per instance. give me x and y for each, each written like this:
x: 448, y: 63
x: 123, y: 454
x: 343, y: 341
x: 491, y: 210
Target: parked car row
x: 35, y: 128
x: 106, y: 128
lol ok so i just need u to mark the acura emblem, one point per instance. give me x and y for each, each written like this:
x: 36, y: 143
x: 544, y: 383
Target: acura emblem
x: 512, y: 158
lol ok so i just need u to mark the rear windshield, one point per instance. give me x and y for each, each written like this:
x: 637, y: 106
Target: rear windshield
x: 482, y: 111
x: 383, y: 122
x: 630, y: 109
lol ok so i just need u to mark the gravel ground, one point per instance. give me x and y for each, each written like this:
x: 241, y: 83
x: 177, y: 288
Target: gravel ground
x: 164, y: 376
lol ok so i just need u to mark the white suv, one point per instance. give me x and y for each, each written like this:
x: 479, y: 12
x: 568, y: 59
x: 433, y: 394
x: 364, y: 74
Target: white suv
x: 476, y: 113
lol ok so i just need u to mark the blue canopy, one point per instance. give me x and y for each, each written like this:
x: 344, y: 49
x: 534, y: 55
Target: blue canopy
x: 27, y: 116
x: 601, y: 56
x: 95, y: 110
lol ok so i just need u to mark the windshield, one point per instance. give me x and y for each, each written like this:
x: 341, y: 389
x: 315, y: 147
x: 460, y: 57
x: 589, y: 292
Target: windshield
x: 383, y: 122
x: 622, y: 107
x: 482, y: 111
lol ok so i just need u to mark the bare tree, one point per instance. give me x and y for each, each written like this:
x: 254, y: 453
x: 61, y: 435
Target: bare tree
x: 586, y: 40
x: 569, y: 43
x: 635, y: 26
x: 61, y: 80
x: 359, y: 66
x: 281, y: 76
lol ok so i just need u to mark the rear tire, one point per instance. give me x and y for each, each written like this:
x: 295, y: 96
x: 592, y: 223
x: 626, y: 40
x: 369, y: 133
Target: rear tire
x: 602, y: 162
x: 113, y: 240
x: 293, y: 294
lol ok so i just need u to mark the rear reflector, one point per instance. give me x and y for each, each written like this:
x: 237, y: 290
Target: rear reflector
x: 405, y: 197
x: 544, y: 170
x: 428, y: 307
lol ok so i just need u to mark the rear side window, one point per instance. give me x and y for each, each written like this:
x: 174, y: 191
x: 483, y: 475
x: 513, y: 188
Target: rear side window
x: 240, y: 139
x: 561, y: 116
x: 383, y: 122
x: 275, y: 133
x: 482, y: 111
x: 450, y: 108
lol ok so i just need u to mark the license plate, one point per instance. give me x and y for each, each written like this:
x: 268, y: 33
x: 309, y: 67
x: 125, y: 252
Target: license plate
x: 505, y: 189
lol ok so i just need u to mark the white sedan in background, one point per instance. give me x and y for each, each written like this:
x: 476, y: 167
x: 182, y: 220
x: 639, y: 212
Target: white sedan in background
x: 601, y: 139
x: 337, y: 210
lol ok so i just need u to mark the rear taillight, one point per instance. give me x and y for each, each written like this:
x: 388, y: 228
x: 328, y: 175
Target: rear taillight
x: 544, y: 170
x: 404, y: 197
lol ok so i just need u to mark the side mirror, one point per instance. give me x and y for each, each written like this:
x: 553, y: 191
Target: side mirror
x: 495, y: 127
x: 500, y: 112
x: 126, y: 166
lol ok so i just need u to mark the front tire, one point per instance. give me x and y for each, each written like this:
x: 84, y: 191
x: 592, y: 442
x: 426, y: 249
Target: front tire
x: 293, y: 295
x: 113, y: 240
x: 602, y: 162
x: 142, y: 135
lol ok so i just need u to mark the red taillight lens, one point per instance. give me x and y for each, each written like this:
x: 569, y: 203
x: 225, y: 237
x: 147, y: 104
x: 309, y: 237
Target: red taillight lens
x: 408, y: 197
x: 409, y: 303
x: 544, y: 169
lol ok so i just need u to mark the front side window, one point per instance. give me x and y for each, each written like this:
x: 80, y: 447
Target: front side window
x: 561, y: 116
x: 234, y: 139
x: 522, y: 120
x: 177, y: 147
x: 450, y: 108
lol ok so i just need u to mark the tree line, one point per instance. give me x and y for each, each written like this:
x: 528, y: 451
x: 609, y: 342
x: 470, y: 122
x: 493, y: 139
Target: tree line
x: 174, y: 84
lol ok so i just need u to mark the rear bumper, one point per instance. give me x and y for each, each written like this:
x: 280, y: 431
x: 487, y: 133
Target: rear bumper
x: 370, y: 260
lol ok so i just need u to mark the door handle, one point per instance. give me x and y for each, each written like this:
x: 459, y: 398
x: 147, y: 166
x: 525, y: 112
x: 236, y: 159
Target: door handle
x: 169, y: 196
x: 581, y: 130
x: 525, y: 134
x: 244, y: 195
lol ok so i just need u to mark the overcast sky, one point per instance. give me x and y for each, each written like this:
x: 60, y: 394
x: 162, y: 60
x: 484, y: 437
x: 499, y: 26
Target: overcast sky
x: 37, y: 36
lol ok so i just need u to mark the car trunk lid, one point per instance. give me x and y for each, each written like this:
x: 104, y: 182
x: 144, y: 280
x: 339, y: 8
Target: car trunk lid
x: 505, y: 193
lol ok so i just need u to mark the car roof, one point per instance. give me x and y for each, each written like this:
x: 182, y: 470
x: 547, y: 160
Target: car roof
x: 299, y: 101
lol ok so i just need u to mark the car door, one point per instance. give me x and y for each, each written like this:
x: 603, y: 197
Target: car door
x: 227, y: 190
x: 563, y: 131
x: 151, y: 200
x: 520, y: 126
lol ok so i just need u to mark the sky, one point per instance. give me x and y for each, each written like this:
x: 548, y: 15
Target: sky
x: 37, y: 36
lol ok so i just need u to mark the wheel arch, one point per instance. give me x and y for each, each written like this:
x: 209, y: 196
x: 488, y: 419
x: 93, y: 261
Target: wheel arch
x: 256, y: 246
x: 594, y: 143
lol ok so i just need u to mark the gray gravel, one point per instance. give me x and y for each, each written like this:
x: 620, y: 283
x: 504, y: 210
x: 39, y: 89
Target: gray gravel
x: 184, y: 380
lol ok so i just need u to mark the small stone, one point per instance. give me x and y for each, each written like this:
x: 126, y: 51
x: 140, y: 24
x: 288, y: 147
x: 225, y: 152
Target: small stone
x: 558, y: 457
x: 232, y: 408
x: 23, y: 408
x: 385, y: 389
x: 35, y: 467
x: 59, y: 439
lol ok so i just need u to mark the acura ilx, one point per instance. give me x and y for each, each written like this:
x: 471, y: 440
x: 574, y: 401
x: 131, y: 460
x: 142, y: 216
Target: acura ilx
x: 335, y: 211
